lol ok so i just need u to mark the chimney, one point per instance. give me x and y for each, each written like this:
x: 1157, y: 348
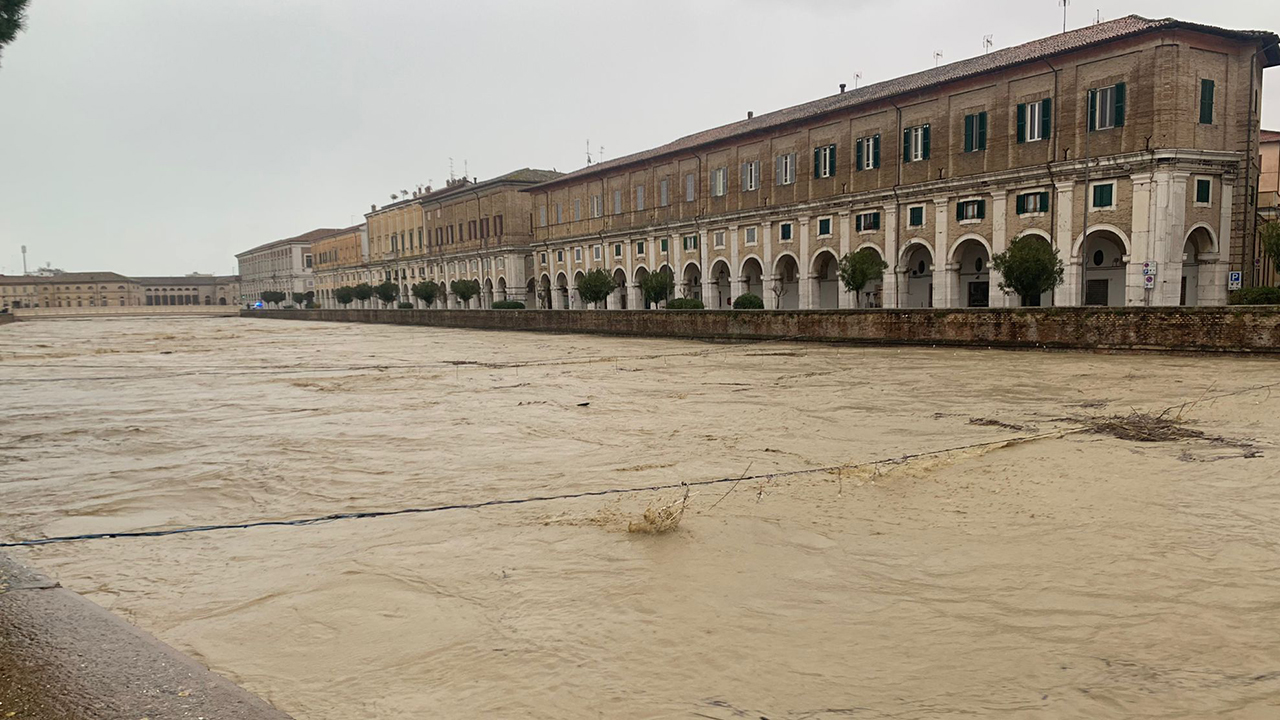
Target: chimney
x: 841, y: 87
x: 750, y: 114
x: 373, y: 208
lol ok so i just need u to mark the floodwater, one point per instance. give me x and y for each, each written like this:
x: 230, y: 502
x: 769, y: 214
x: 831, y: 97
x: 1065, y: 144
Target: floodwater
x: 1067, y: 576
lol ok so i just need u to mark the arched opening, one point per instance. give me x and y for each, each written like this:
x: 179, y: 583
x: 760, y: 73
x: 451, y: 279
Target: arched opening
x: 1044, y: 299
x: 972, y: 273
x: 691, y: 282
x: 641, y: 274
x: 208, y: 300
x: 1104, y: 269
x: 442, y: 296
x: 872, y: 294
x: 618, y: 298
x: 721, y: 292
x: 222, y: 301
x: 753, y: 277
x: 544, y: 293
x: 785, y: 287
x: 562, y: 292
x: 917, y: 272
x: 826, y: 280
x: 502, y: 289
x: 486, y: 301
x: 1199, y: 243
x: 575, y: 300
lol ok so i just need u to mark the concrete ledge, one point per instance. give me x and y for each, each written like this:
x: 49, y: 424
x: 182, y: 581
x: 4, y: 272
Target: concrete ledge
x: 64, y: 657
x: 6, y: 318
x: 1215, y: 329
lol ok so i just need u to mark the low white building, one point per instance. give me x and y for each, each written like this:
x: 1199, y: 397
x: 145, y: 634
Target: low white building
x: 281, y: 265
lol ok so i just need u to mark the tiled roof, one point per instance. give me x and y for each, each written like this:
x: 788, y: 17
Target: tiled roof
x: 65, y: 278
x: 1270, y: 136
x: 307, y: 237
x: 999, y: 59
x: 524, y: 176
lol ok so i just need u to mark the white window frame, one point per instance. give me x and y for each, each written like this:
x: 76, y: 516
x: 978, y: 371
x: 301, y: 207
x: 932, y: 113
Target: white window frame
x: 719, y: 182
x: 858, y: 222
x: 617, y: 202
x: 1104, y: 109
x: 1033, y: 192
x: 917, y: 143
x: 788, y: 168
x: 970, y: 202
x: 577, y: 255
x: 749, y: 235
x: 1115, y: 195
x: 639, y: 248
x: 923, y: 216
x: 826, y: 160
x: 690, y: 187
x: 664, y: 193
x: 617, y: 250
x: 559, y: 256
x: 1195, y: 187
x: 689, y: 243
x: 867, y: 146
x: 577, y: 209
x: 1035, y: 121
x: 597, y: 206
x: 791, y: 228
x: 831, y: 225
x: 639, y: 198
x: 717, y: 238
x: 595, y: 252
x: 753, y: 176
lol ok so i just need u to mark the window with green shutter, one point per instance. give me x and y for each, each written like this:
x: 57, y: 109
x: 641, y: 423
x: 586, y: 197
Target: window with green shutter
x: 662, y: 245
x: 1206, y: 102
x: 971, y: 210
x: 975, y: 132
x: 915, y: 216
x: 1035, y: 202
x: 1103, y: 195
x: 1204, y: 187
x: 1107, y: 107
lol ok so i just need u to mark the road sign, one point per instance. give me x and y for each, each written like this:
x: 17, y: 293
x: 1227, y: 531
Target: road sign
x: 1148, y: 268
x: 1148, y: 281
x: 1235, y: 279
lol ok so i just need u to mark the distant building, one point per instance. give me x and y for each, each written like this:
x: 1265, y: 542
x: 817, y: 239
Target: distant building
x: 192, y: 289
x: 340, y: 259
x: 77, y: 289
x: 281, y: 265
x: 1268, y: 201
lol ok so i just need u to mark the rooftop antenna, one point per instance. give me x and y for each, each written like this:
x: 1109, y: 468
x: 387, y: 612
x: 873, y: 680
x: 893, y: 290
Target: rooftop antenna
x: 451, y: 175
x: 24, y: 259
x: 1097, y: 17
x: 856, y: 77
x: 937, y: 57
x: 601, y: 153
x: 1064, y: 4
x: 588, y: 151
x: 465, y: 171
x: 987, y: 43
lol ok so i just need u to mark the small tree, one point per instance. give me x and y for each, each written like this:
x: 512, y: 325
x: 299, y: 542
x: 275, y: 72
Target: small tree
x: 272, y: 297
x: 362, y: 292
x: 425, y: 291
x: 1029, y: 268
x: 1269, y: 236
x: 464, y: 290
x: 658, y: 286
x: 299, y: 298
x: 344, y: 295
x: 748, y: 301
x: 859, y: 268
x: 387, y: 292
x: 595, y: 286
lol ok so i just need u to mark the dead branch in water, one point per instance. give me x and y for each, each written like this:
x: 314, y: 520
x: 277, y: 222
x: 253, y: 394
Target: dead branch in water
x: 661, y: 519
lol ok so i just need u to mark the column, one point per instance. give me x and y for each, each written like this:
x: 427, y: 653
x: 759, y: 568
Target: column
x: 846, y: 299
x: 735, y: 265
x: 999, y: 241
x: 889, y: 295
x: 1068, y: 293
x: 704, y: 253
x: 1167, y: 237
x: 806, y: 273
x: 942, y: 268
x: 1213, y: 272
x: 766, y: 272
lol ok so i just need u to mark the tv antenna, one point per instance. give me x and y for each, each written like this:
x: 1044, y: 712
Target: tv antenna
x: 987, y: 43
x: 601, y: 153
x: 856, y: 77
x: 937, y: 57
x: 588, y: 151
x: 451, y: 175
x: 24, y: 259
x: 1097, y: 17
x: 1064, y: 4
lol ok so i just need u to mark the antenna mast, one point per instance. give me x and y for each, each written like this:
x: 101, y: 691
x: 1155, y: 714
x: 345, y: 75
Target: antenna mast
x: 24, y: 259
x: 1064, y: 4
x: 986, y: 43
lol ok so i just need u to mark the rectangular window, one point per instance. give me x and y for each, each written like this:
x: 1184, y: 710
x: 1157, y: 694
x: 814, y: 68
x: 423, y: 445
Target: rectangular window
x: 559, y: 256
x: 690, y: 242
x: 450, y: 234
x: 596, y: 206
x: 472, y: 233
x: 595, y: 251
x: 750, y: 237
x: 639, y: 247
x: 1104, y: 195
x: 662, y: 245
x: 784, y: 232
x: 915, y: 143
x: 824, y: 161
x: 1206, y: 102
x: 497, y: 225
x: 639, y: 197
x: 750, y: 175
x: 867, y: 150
x: 971, y: 210
x: 975, y: 132
x: 577, y: 209
x: 915, y: 216
x: 1204, y: 188
x: 719, y: 181
x: 1106, y: 107
x: 868, y: 222
x: 824, y: 227
x: 784, y: 172
x: 558, y: 220
x: 664, y: 198
x: 617, y: 250
x: 689, y: 187
x: 1034, y: 120
x: 718, y: 238
x: 617, y: 202
x: 1035, y: 202
x: 484, y: 227
x: 577, y: 254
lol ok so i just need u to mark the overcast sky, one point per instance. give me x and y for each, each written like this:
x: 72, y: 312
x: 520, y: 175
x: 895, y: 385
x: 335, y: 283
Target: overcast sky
x: 164, y: 136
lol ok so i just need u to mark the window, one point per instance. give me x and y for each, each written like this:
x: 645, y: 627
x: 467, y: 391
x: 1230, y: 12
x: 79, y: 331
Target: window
x: 868, y: 222
x: 663, y: 197
x: 617, y: 250
x: 824, y: 226
x: 497, y: 225
x: 1206, y: 102
x: 639, y: 197
x: 971, y: 210
x: 719, y: 181
x: 662, y: 245
x: 451, y: 226
x: 915, y: 143
x: 689, y: 181
x: 617, y: 202
x: 750, y: 175
x: 915, y: 216
x: 558, y: 221
x: 484, y: 227
x: 1204, y: 189
x: 559, y: 256
x: 824, y: 161
x: 690, y: 242
x: 1034, y: 202
x: 1106, y: 107
x: 784, y: 232
x: 975, y: 132
x: 1104, y: 195
x: 868, y: 153
x: 785, y: 169
x: 639, y: 247
x: 717, y: 239
x: 595, y: 252
x: 597, y: 206
x: 750, y: 236
x: 1034, y: 120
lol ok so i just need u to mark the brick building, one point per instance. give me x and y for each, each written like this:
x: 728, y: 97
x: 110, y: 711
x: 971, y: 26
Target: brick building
x: 1268, y: 201
x: 1125, y: 144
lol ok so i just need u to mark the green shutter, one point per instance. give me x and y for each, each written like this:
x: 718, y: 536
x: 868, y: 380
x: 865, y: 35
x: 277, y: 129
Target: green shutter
x: 1020, y: 204
x: 982, y: 130
x: 982, y: 209
x: 1022, y: 122
x: 959, y: 211
x: 817, y: 161
x: 1093, y: 110
x: 906, y: 145
x: 1206, y: 102
x: 1046, y: 117
x: 1119, y: 104
x: 831, y: 160
x: 1044, y: 201
x: 857, y: 158
x: 968, y: 133
x: 926, y: 142
x: 875, y: 151
x: 1202, y: 191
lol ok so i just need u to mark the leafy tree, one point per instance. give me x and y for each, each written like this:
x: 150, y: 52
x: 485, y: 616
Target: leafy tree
x: 344, y: 295
x: 685, y: 303
x: 299, y: 298
x: 748, y: 301
x: 595, y: 286
x: 363, y: 292
x: 658, y: 286
x: 425, y: 291
x: 1269, y: 236
x: 272, y: 297
x: 13, y: 20
x: 387, y: 292
x: 1029, y: 268
x: 508, y: 305
x: 859, y: 268
x: 1265, y: 295
x: 464, y: 290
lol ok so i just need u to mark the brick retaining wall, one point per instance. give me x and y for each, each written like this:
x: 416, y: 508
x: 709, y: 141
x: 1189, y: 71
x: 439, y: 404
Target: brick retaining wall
x: 7, y: 318
x: 1226, y: 329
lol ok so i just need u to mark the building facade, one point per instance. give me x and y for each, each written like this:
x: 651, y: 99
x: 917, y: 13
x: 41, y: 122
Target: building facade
x: 1127, y: 146
x: 1268, y: 202
x: 341, y: 259
x: 68, y: 290
x: 191, y: 289
x: 281, y: 266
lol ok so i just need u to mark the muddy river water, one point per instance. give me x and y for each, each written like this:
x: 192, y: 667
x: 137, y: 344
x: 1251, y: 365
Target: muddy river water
x: 1068, y: 575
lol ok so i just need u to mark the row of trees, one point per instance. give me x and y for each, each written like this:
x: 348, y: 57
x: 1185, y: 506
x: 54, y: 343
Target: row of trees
x: 275, y: 297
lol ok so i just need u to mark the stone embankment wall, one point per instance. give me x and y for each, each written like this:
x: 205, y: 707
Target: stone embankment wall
x: 1225, y: 329
x: 7, y: 318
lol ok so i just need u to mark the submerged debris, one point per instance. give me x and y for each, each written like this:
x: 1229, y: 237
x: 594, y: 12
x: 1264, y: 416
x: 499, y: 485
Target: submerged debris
x: 988, y: 422
x: 1144, y: 427
x: 658, y: 519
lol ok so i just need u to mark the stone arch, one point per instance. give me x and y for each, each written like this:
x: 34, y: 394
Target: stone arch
x: 561, y: 292
x: 955, y: 246
x: 1104, y: 258
x: 1199, y: 284
x: 784, y: 289
x: 1205, y: 238
x: 872, y: 296
x: 722, y: 287
x: 1097, y: 229
x: 486, y: 295
x: 1044, y: 299
x: 907, y: 248
x: 691, y: 280
x: 916, y: 267
x: 618, y: 298
x: 970, y: 271
x: 575, y: 300
x: 639, y: 275
x: 501, y: 289
x: 825, y: 289
x: 752, y: 276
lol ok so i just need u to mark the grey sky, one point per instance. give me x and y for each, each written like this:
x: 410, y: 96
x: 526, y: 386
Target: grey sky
x: 163, y: 136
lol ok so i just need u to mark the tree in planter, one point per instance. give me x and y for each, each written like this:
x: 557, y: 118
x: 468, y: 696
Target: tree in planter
x: 596, y: 286
x: 859, y: 268
x: 464, y: 290
x: 363, y: 292
x: 1029, y: 268
x: 387, y: 292
x: 426, y: 292
x: 344, y: 295
x: 658, y: 286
